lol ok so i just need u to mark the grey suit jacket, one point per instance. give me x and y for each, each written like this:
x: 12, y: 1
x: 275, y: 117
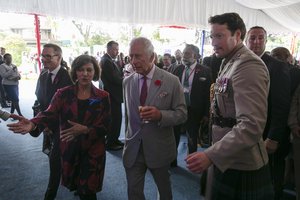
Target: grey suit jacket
x: 157, y: 138
x: 244, y: 99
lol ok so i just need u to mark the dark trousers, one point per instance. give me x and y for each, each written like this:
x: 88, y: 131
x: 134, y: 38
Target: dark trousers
x: 277, y: 167
x: 192, y: 130
x: 2, y: 94
x: 177, y: 132
x: 55, y: 169
x: 116, y: 115
x: 87, y: 196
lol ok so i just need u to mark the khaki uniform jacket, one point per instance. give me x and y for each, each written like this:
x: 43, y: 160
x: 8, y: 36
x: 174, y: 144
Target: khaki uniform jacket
x: 241, y: 92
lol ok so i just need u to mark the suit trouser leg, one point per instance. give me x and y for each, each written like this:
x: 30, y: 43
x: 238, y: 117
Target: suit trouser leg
x: 192, y: 135
x: 116, y: 115
x: 136, y: 178
x: 55, y: 171
x: 162, y: 179
x: 177, y: 133
x: 277, y: 167
x: 296, y: 151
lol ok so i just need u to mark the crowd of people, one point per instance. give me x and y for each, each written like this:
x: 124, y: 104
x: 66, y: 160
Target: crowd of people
x: 241, y: 102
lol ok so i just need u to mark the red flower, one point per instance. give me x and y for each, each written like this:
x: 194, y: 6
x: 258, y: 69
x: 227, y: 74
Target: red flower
x: 157, y: 82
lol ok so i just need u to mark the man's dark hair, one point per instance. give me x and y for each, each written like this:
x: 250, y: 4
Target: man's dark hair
x: 55, y: 47
x: 6, y: 55
x: 233, y: 22
x: 258, y: 27
x: 110, y: 44
x: 81, y: 61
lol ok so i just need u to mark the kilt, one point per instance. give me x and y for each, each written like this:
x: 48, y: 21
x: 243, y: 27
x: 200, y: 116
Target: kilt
x: 242, y: 185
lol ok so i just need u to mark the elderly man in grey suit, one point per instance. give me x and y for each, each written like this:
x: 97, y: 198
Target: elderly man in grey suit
x: 154, y: 103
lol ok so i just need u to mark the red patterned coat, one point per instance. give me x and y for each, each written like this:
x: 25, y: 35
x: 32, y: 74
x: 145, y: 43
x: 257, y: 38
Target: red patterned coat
x: 83, y: 159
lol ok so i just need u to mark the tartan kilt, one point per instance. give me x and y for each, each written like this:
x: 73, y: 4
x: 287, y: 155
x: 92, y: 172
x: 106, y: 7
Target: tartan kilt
x: 242, y: 185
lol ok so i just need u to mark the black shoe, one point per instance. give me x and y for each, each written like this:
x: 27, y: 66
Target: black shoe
x: 5, y: 106
x: 118, y: 142
x: 174, y: 163
x: 113, y: 147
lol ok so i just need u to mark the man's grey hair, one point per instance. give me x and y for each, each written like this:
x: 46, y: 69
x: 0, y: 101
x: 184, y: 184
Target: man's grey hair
x: 194, y: 48
x: 149, y: 48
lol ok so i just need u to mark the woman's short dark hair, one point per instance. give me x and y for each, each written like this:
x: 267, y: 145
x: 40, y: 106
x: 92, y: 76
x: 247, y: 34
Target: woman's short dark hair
x: 83, y: 60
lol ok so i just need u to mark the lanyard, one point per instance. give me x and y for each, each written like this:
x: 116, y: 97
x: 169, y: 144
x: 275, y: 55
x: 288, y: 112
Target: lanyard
x: 185, y: 78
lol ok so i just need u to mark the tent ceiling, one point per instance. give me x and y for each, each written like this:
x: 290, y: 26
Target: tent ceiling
x: 285, y: 12
x: 274, y: 15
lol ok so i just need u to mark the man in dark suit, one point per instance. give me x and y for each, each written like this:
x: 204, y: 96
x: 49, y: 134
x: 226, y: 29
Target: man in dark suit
x: 196, y: 80
x: 275, y: 133
x: 214, y: 63
x: 54, y: 76
x: 178, y: 57
x: 112, y: 79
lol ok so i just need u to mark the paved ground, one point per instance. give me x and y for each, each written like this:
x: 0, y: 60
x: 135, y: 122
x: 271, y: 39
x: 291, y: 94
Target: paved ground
x: 24, y: 168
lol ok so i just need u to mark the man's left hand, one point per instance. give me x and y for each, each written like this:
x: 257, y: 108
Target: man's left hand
x: 271, y: 145
x: 197, y: 162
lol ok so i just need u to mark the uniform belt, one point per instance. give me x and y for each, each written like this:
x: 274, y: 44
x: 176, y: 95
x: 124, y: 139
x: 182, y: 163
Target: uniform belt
x: 224, y: 121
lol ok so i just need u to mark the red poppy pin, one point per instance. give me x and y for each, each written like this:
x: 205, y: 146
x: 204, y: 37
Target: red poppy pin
x: 157, y: 82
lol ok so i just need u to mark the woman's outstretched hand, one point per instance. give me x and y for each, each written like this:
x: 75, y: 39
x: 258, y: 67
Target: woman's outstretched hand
x: 23, y: 126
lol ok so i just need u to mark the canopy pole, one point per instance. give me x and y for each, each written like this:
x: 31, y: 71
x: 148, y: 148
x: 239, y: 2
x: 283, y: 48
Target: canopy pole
x: 202, y: 42
x: 38, y: 39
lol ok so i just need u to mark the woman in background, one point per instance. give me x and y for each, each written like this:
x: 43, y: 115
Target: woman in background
x: 10, y: 82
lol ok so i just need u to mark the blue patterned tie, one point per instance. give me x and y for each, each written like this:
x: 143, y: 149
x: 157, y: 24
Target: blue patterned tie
x: 186, y: 85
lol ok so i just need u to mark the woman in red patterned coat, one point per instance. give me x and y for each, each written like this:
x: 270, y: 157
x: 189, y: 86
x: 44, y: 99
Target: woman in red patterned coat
x: 83, y: 112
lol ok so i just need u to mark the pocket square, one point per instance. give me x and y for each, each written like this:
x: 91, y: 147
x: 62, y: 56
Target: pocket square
x: 162, y: 94
x: 202, y: 79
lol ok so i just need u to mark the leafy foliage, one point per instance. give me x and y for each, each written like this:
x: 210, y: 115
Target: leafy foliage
x: 15, y: 45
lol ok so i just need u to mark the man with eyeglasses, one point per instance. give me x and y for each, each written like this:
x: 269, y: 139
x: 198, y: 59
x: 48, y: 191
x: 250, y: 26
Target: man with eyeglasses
x: 54, y: 76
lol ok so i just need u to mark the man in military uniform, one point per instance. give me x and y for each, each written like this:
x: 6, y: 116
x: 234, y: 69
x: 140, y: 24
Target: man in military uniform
x: 238, y: 157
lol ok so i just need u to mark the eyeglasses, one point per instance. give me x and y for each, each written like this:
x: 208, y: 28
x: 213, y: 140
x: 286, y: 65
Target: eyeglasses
x: 47, y: 56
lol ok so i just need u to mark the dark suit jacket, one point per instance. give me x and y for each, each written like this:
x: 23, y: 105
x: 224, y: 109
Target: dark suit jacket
x: 112, y: 78
x: 295, y: 78
x: 278, y: 99
x: 62, y: 79
x: 44, y: 96
x: 200, y: 90
x: 214, y: 64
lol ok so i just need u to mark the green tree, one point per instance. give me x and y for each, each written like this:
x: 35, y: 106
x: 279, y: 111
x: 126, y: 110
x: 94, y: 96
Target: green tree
x: 84, y: 30
x: 15, y: 45
x: 137, y: 31
x: 99, y: 39
x: 156, y: 36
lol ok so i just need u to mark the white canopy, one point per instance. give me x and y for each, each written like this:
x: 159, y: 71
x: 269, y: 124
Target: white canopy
x: 274, y: 15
